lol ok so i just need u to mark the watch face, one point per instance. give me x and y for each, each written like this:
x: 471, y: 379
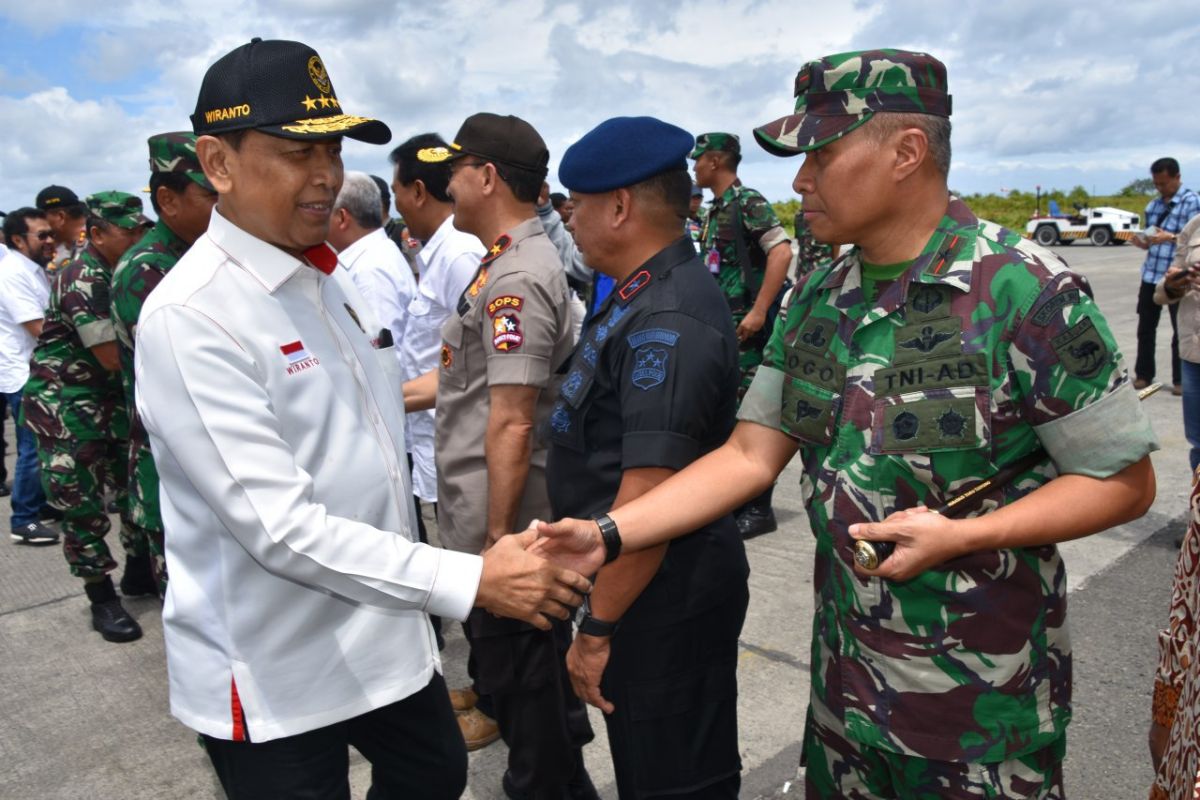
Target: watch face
x: 584, y: 610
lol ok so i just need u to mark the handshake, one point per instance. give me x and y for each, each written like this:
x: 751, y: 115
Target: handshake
x: 539, y: 572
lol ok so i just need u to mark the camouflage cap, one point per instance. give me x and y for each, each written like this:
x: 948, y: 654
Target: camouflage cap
x: 838, y: 93
x: 119, y: 208
x: 716, y: 142
x: 176, y: 152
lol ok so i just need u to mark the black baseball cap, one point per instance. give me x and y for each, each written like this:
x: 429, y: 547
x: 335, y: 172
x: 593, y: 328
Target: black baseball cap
x: 280, y: 88
x: 506, y: 140
x: 54, y: 197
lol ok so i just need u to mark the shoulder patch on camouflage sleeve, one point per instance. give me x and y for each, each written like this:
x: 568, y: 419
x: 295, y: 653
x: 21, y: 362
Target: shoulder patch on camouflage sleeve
x: 1081, y: 349
x: 1055, y: 304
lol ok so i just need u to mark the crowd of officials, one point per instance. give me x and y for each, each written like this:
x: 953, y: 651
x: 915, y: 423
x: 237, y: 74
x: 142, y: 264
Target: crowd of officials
x: 272, y: 382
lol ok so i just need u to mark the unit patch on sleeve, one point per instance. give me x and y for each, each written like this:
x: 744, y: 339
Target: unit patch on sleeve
x: 506, y: 332
x: 510, y: 302
x: 1081, y: 349
x: 649, y: 367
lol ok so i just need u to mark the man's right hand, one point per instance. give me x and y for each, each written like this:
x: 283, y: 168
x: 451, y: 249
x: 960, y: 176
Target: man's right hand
x: 572, y: 543
x: 518, y: 584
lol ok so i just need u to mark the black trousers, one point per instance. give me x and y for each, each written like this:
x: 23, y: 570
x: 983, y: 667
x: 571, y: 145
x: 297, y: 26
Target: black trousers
x: 414, y: 746
x: 1149, y: 314
x: 524, y: 672
x: 674, y: 731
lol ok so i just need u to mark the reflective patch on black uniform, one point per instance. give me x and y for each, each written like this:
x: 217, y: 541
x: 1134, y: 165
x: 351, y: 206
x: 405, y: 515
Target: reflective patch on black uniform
x: 932, y: 339
x: 938, y: 373
x: 1050, y: 309
x: 572, y: 386
x: 560, y: 418
x: 1081, y: 349
x: 816, y: 335
x: 943, y: 423
x: 926, y: 301
x: 649, y: 367
x: 589, y: 354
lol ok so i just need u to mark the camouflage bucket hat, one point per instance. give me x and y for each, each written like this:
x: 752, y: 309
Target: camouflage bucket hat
x: 716, y: 142
x: 176, y: 152
x: 838, y: 93
x: 119, y: 208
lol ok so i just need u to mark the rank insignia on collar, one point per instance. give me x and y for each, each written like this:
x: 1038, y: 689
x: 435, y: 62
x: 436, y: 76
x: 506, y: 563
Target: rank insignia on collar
x: 494, y: 252
x: 447, y: 357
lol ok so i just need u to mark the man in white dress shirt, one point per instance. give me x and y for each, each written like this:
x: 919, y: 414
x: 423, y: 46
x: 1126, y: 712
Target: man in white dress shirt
x: 296, y: 616
x: 375, y: 264
x: 24, y: 292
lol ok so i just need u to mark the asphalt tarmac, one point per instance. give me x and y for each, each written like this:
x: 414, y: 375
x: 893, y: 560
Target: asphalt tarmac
x: 82, y: 718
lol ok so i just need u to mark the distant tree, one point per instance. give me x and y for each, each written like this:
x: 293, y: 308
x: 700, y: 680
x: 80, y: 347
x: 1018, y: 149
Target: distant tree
x: 1138, y: 187
x: 1078, y: 195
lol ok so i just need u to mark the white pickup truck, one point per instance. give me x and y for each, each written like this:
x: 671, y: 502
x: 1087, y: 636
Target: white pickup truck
x: 1100, y: 226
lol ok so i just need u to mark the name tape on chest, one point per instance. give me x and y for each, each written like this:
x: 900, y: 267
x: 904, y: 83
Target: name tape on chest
x: 298, y: 358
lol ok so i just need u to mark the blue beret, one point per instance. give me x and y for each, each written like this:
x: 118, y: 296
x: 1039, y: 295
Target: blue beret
x: 623, y: 151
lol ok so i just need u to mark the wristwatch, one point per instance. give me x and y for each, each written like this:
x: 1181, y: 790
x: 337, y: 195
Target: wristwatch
x: 612, y: 539
x: 590, y: 626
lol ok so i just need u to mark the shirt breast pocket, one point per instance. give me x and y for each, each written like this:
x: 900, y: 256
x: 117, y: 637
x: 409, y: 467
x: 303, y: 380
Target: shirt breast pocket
x: 812, y: 390
x: 453, y: 370
x: 956, y: 418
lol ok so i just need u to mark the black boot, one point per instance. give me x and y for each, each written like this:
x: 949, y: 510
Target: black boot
x: 138, y: 578
x: 109, y: 617
x: 757, y: 517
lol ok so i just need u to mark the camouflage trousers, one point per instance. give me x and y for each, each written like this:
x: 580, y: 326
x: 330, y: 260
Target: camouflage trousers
x: 836, y: 767
x: 144, y: 512
x: 74, y: 475
x: 750, y: 355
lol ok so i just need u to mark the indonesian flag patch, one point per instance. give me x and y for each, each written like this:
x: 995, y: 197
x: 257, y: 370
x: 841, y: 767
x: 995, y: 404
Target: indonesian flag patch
x: 298, y: 358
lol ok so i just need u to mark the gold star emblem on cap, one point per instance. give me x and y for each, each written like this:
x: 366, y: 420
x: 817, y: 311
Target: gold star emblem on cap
x: 309, y: 104
x: 324, y: 101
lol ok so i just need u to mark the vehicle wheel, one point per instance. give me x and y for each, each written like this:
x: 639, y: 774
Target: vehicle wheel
x: 1100, y: 236
x: 1046, y: 235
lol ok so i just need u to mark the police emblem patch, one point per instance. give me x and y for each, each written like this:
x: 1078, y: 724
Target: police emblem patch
x: 649, y: 367
x: 506, y: 333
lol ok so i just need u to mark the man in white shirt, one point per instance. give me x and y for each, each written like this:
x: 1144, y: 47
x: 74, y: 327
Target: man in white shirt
x: 375, y: 264
x: 24, y: 292
x: 296, y: 616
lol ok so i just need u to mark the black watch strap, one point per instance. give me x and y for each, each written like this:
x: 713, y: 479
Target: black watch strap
x: 612, y: 539
x: 590, y: 626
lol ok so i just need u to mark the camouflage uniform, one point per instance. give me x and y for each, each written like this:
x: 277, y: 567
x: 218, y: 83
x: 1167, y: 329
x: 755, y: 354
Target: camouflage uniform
x: 758, y: 232
x: 75, y: 407
x: 137, y: 273
x: 811, y: 253
x: 957, y: 682
x: 64, y: 254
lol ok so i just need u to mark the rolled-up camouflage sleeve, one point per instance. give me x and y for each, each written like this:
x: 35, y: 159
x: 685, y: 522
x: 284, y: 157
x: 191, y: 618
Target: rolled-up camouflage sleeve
x: 761, y: 222
x: 1073, y: 385
x: 85, y: 303
x: 763, y: 401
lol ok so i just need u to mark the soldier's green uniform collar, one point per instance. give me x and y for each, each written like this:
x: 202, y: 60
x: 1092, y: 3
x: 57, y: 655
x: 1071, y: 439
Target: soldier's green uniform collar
x: 162, y: 233
x: 941, y: 262
x: 729, y: 195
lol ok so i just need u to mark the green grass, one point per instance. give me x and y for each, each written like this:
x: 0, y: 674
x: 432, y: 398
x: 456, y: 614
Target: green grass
x: 1012, y: 211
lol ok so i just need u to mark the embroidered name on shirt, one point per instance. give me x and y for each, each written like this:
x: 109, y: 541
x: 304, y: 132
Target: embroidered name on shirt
x: 298, y: 358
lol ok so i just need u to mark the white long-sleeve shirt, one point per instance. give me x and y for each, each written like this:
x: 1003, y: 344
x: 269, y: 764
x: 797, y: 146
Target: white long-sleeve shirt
x: 24, y: 293
x: 446, y: 264
x: 298, y: 594
x: 385, y: 280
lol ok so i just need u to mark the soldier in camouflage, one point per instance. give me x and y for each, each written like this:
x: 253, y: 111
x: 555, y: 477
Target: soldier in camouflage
x: 74, y: 405
x: 937, y: 349
x: 746, y: 248
x: 183, y: 200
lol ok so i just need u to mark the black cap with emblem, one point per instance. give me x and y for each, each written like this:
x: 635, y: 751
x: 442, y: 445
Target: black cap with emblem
x: 506, y: 140
x: 280, y: 88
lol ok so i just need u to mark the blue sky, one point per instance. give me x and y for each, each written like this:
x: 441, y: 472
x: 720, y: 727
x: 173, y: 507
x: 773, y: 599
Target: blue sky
x: 1049, y: 94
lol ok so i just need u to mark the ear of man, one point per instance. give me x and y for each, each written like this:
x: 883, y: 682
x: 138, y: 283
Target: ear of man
x: 216, y: 157
x: 911, y: 148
